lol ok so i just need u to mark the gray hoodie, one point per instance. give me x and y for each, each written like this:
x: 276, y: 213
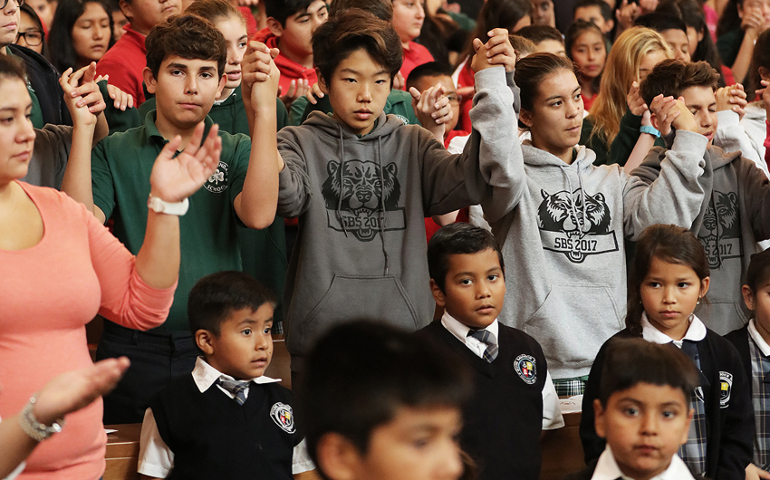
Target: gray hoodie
x: 361, y: 202
x: 562, y: 229
x: 735, y: 213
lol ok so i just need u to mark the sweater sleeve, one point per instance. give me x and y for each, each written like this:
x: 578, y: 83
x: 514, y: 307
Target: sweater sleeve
x: 676, y: 196
x: 732, y: 137
x: 756, y: 196
x: 294, y: 193
x: 126, y: 298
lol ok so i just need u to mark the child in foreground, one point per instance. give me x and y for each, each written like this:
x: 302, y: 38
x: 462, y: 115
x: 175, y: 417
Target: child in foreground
x: 669, y: 277
x: 226, y: 420
x: 643, y: 411
x: 379, y: 403
x: 513, y: 389
x: 753, y: 344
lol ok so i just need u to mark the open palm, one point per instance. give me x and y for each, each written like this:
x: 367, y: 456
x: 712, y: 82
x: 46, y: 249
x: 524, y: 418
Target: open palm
x: 175, y: 178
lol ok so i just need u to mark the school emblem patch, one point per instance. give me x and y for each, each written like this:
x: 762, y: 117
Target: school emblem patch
x: 218, y: 181
x: 283, y: 416
x: 525, y: 367
x: 725, y: 388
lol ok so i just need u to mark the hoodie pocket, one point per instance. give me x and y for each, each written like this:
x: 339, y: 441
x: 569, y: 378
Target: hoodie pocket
x: 573, y: 322
x: 375, y: 298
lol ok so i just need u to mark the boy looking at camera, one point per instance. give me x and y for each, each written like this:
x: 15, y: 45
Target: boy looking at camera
x: 643, y: 411
x: 226, y: 420
x: 514, y: 396
x: 362, y: 182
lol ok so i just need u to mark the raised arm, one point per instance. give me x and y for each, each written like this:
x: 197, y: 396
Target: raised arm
x: 256, y: 204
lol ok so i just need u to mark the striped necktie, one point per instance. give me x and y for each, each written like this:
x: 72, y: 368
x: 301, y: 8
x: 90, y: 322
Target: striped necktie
x: 236, y: 388
x: 489, y: 339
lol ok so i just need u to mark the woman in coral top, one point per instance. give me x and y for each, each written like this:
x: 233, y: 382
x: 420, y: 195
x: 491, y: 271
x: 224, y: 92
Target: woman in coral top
x: 59, y: 267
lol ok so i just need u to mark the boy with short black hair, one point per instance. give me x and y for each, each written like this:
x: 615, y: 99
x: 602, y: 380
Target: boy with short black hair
x: 243, y: 427
x: 186, y: 59
x: 514, y: 397
x: 735, y: 214
x: 546, y: 39
x: 643, y: 411
x: 672, y: 29
x: 597, y: 11
x: 362, y: 183
x: 125, y: 61
x: 290, y: 26
x: 429, y: 75
x: 380, y: 403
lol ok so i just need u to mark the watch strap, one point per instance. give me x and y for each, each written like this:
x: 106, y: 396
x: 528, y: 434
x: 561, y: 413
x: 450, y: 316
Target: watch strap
x: 169, y: 208
x: 32, y: 427
x: 650, y: 129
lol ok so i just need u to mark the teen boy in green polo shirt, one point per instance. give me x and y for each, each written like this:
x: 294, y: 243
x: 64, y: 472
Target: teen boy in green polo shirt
x: 185, y: 67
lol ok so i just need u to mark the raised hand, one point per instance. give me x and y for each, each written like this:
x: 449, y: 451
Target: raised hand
x: 635, y: 101
x: 732, y: 98
x: 175, y: 178
x: 258, y: 67
x: 82, y: 95
x: 499, y: 49
x: 664, y: 112
x: 432, y: 109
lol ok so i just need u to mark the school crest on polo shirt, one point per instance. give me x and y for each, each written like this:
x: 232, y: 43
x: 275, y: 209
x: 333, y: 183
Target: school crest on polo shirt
x: 525, y: 368
x: 725, y: 388
x: 218, y: 181
x: 283, y: 416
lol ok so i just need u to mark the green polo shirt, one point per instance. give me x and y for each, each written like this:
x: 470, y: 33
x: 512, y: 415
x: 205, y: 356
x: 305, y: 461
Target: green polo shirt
x: 120, y: 168
x: 36, y: 115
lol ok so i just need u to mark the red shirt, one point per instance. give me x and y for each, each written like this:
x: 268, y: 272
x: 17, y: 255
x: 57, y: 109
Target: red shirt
x: 465, y: 79
x: 415, y: 55
x: 290, y: 70
x: 124, y: 63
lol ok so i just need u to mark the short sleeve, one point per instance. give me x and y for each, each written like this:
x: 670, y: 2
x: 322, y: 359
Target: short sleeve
x: 102, y: 182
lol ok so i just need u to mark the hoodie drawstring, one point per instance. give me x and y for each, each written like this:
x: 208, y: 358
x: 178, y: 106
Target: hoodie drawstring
x: 381, y: 213
x: 342, y: 178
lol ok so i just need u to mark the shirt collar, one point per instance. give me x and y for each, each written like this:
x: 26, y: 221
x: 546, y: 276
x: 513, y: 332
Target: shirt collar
x: 761, y: 343
x: 695, y: 332
x: 607, y: 469
x: 460, y: 330
x: 205, y: 375
x: 151, y: 131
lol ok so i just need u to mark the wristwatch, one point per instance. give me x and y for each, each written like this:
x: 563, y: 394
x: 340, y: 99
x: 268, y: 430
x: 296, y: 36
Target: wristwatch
x: 36, y: 430
x: 160, y: 206
x: 650, y: 129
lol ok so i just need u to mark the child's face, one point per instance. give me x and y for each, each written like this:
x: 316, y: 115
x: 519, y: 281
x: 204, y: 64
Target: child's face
x: 28, y: 26
x: 244, y: 346
x: 644, y: 426
x: 297, y: 31
x: 44, y: 10
x: 91, y: 33
x: 449, y: 90
x: 551, y: 46
x: 357, y: 91
x: 474, y: 288
x: 588, y: 53
x: 702, y: 103
x: 693, y: 39
x: 556, y: 118
x: 185, y: 90
x: 593, y: 14
x: 543, y: 13
x: 17, y: 136
x: 145, y: 14
x: 417, y: 444
x: 678, y: 42
x: 234, y: 31
x: 649, y: 61
x: 670, y: 292
x: 759, y: 303
x: 408, y: 16
x: 118, y: 22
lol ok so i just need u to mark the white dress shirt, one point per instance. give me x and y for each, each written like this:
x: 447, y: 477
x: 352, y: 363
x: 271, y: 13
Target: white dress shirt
x: 607, y: 469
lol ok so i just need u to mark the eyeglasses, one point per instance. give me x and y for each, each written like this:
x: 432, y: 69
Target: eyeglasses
x: 19, y: 3
x: 33, y: 38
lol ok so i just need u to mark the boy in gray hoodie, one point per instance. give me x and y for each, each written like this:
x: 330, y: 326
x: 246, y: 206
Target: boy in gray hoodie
x: 735, y: 212
x: 563, y: 221
x: 361, y: 182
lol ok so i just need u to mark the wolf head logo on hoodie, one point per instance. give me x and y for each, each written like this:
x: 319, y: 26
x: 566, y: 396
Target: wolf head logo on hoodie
x: 720, y: 232
x: 362, y: 198
x: 576, y: 224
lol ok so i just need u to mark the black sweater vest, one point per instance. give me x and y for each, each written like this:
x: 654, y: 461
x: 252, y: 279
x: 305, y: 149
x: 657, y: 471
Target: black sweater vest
x: 503, y: 421
x: 214, y: 437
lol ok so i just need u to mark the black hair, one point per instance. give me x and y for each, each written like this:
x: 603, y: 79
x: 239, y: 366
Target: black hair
x: 759, y: 270
x: 539, y: 33
x: 216, y: 296
x: 668, y: 243
x: 360, y: 374
x: 382, y: 9
x: 631, y: 361
x: 729, y: 20
x: 188, y: 36
x: 62, y: 50
x: 12, y: 67
x: 671, y: 77
x: 430, y: 69
x: 280, y: 10
x: 351, y: 30
x: 454, y: 239
x: 661, y: 22
x: 759, y: 58
x: 495, y: 14
x: 604, y: 7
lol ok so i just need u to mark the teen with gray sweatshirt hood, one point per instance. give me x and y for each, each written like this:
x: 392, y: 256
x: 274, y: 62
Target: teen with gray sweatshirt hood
x: 362, y: 184
x: 562, y: 221
x: 735, y: 212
